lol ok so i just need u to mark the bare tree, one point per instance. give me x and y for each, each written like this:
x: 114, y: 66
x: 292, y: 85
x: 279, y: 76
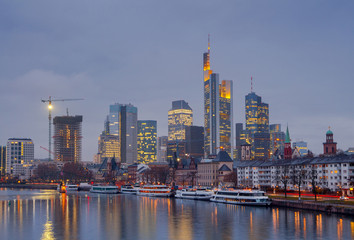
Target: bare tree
x: 283, y: 176
x: 298, y: 175
x: 231, y: 178
x: 315, y: 180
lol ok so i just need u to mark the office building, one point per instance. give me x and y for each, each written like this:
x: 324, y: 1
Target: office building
x: 2, y: 160
x: 162, y: 149
x: 277, y: 139
x: 195, y: 141
x: 179, y: 116
x: 122, y: 122
x: 19, y: 155
x: 147, y: 139
x: 218, y: 111
x: 108, y: 147
x: 67, y: 138
x: 257, y: 126
x: 301, y: 146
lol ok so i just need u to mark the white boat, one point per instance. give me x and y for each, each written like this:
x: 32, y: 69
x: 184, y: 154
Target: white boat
x: 129, y: 189
x: 196, y: 194
x: 71, y: 188
x: 241, y: 197
x: 104, y: 189
x: 154, y: 191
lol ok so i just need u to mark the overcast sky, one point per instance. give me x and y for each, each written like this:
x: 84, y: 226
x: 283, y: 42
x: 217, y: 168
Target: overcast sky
x: 149, y: 53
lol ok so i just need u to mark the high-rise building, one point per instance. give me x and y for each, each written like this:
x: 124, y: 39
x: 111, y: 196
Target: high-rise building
x: 67, y: 138
x: 277, y: 138
x: 122, y: 122
x: 147, y: 138
x: 179, y: 116
x: 19, y: 154
x: 195, y: 141
x: 129, y: 120
x: 218, y: 111
x: 108, y: 147
x: 162, y: 149
x: 301, y: 146
x: 257, y: 125
x: 2, y: 160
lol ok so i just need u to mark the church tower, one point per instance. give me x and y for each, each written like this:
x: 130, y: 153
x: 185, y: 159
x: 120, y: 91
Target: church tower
x: 287, y: 145
x: 329, y: 147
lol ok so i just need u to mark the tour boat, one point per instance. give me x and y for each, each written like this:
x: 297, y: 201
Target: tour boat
x: 241, y: 197
x: 129, y: 189
x: 104, y: 189
x: 154, y: 191
x: 67, y: 188
x: 196, y: 194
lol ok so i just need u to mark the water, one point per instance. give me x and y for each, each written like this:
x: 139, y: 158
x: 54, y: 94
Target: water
x: 46, y: 214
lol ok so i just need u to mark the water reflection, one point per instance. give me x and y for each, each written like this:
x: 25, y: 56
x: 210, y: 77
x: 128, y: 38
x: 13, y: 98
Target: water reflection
x: 49, y: 215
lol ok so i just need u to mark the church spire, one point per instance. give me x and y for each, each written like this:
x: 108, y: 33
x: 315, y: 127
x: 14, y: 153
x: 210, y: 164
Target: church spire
x: 287, y: 137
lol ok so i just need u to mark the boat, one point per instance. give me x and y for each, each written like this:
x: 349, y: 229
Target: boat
x: 154, y: 191
x: 196, y: 194
x: 63, y: 188
x: 129, y: 189
x: 104, y: 189
x: 241, y: 197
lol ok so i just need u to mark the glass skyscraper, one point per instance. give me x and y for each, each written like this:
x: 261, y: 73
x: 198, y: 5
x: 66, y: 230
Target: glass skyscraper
x: 147, y: 137
x: 180, y: 116
x: 218, y: 111
x: 122, y: 122
x: 257, y: 126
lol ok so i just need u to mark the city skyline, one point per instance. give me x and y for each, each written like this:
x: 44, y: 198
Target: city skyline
x: 301, y: 65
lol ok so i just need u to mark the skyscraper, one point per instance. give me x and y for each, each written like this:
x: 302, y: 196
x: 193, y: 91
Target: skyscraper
x: 218, y: 110
x: 2, y: 160
x: 195, y: 141
x: 277, y: 139
x: 162, y: 149
x: 108, y: 147
x: 67, y: 138
x: 122, y: 122
x: 147, y: 138
x: 179, y: 116
x: 257, y: 125
x: 19, y: 153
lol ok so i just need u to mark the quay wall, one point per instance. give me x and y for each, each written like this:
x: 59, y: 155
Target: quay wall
x: 314, y: 206
x: 29, y: 186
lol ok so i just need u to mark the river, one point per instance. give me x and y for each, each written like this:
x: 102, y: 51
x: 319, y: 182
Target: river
x: 46, y: 214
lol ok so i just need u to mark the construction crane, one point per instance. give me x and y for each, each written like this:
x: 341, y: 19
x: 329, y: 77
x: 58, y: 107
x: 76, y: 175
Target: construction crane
x: 50, y: 107
x: 47, y: 150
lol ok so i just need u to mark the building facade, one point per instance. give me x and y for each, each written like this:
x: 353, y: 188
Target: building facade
x: 194, y: 141
x: 67, y: 138
x: 162, y: 149
x: 179, y: 116
x: 334, y: 173
x: 257, y: 126
x: 122, y: 122
x: 301, y: 146
x: 19, y: 155
x: 2, y: 160
x: 108, y: 147
x: 218, y: 111
x: 277, y: 139
x: 147, y: 141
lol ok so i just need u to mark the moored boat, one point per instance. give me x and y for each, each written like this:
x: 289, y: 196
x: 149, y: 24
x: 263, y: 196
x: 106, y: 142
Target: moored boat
x: 154, y: 191
x: 104, y: 189
x: 241, y: 197
x: 196, y: 194
x: 128, y: 189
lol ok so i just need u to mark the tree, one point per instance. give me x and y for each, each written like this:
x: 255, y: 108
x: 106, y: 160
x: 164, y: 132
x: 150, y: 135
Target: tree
x: 231, y: 178
x: 76, y: 172
x: 283, y: 176
x: 315, y: 181
x: 298, y: 175
x: 47, y: 171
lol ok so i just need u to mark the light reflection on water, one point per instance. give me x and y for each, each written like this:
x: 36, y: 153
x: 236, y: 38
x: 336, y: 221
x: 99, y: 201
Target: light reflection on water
x: 35, y: 214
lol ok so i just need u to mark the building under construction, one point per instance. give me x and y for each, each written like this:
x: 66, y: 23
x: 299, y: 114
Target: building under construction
x: 67, y: 138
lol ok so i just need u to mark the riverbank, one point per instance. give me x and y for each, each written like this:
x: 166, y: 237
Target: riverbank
x: 314, y: 206
x: 29, y: 186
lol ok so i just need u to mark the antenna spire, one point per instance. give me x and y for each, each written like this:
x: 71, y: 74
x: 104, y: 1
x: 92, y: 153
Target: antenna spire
x: 209, y: 43
x: 251, y: 84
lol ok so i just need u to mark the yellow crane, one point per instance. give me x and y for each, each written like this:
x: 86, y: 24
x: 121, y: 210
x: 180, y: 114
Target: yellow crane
x: 50, y: 107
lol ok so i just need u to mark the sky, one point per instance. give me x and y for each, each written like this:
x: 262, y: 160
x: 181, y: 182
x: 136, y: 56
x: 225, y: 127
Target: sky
x: 149, y: 53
